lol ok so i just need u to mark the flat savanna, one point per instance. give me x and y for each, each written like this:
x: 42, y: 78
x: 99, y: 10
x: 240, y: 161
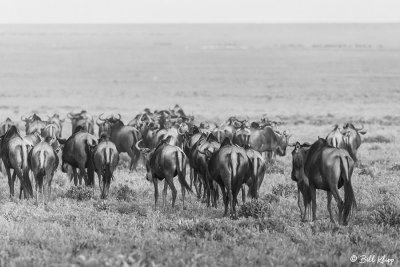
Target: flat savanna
x: 308, y: 76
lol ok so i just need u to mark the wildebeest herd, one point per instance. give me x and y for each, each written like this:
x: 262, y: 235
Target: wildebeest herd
x: 222, y: 158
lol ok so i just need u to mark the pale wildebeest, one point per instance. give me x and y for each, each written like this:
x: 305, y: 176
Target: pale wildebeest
x: 259, y: 170
x: 352, y: 138
x: 32, y: 139
x: 14, y: 153
x: 105, y: 160
x: 164, y: 163
x: 323, y: 167
x: 55, y: 119
x: 51, y: 130
x: 33, y: 124
x: 5, y: 125
x: 230, y: 167
x: 269, y: 140
x: 43, y: 161
x: 83, y: 119
x: 335, y: 138
x: 125, y: 137
x: 77, y: 152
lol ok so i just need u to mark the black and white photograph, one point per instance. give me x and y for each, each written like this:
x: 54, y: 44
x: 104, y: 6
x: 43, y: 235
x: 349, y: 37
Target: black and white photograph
x: 199, y: 133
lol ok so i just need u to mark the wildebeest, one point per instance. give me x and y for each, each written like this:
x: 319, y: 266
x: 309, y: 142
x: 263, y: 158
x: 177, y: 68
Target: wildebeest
x: 230, y: 167
x: 43, y: 161
x: 269, y: 140
x: 125, y: 137
x: 105, y: 160
x: 199, y: 164
x: 83, y: 119
x: 55, y: 119
x: 327, y: 168
x: 5, y: 125
x: 32, y: 139
x: 259, y: 170
x: 51, y: 130
x: 77, y: 152
x: 33, y: 124
x: 335, y: 138
x: 164, y: 163
x: 352, y: 138
x: 14, y: 153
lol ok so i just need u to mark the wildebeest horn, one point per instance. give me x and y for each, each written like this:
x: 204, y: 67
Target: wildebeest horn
x: 98, y: 122
x: 359, y: 129
x: 143, y: 150
x: 23, y: 118
x: 100, y: 117
x: 69, y: 115
x: 119, y: 116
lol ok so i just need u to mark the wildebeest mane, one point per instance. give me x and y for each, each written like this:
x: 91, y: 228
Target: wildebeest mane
x: 313, y: 153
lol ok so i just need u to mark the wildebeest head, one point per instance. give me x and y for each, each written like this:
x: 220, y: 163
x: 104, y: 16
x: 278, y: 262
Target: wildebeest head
x: 299, y: 155
x: 352, y: 138
x: 147, y: 153
x: 283, y: 140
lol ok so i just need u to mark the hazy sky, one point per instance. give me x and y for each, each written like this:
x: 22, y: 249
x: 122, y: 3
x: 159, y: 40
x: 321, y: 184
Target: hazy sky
x: 197, y: 11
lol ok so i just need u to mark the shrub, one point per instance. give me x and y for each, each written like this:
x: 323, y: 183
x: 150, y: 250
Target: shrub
x: 395, y: 167
x: 79, y: 193
x: 275, y: 168
x: 285, y: 190
x: 255, y: 209
x: 387, y: 213
x: 270, y: 198
x: 124, y: 193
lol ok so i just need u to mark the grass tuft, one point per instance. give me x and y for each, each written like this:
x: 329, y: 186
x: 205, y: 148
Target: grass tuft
x: 387, y: 213
x: 377, y: 139
x: 256, y: 209
x: 285, y: 190
x: 80, y: 193
x: 124, y: 193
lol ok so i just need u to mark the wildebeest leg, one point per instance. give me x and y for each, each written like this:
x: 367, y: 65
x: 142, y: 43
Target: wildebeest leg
x: 339, y: 201
x: 170, y: 182
x: 10, y: 182
x: 75, y: 176
x: 183, y: 191
x: 164, y: 198
x: 37, y: 190
x: 134, y: 155
x: 243, y: 194
x: 299, y: 201
x: 225, y: 199
x: 191, y: 177
x: 100, y: 181
x: 313, y: 202
x: 155, y: 182
x: 329, y: 201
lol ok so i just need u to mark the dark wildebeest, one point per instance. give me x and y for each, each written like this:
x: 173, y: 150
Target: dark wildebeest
x: 55, y: 119
x: 104, y: 125
x: 199, y: 163
x: 352, y: 138
x: 327, y: 168
x: 230, y: 167
x: 259, y: 170
x: 33, y: 124
x: 14, y: 153
x: 335, y: 138
x: 164, y: 163
x: 83, y: 119
x: 77, y: 152
x: 5, y: 125
x: 268, y: 140
x: 43, y: 161
x: 105, y: 161
x: 125, y: 137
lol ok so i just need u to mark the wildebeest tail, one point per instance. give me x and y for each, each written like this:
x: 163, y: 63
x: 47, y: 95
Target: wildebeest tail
x: 26, y: 182
x: 254, y: 186
x: 234, y: 162
x: 107, y: 167
x: 181, y: 170
x: 349, y: 198
x: 42, y: 171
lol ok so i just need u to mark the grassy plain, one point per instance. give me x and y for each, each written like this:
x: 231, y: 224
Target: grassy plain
x: 309, y: 76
